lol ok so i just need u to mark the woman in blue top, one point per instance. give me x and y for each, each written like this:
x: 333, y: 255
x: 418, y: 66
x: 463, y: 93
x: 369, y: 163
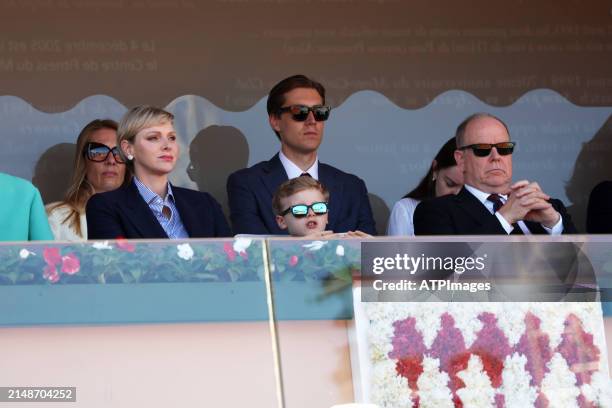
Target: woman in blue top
x: 147, y: 205
x: 22, y: 213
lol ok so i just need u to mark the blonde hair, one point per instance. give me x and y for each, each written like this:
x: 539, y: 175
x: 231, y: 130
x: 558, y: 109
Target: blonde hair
x: 293, y: 186
x: 136, y: 119
x: 80, y: 189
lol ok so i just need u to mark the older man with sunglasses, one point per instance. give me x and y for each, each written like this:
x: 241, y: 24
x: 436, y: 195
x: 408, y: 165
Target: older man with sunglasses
x: 297, y: 114
x: 490, y: 203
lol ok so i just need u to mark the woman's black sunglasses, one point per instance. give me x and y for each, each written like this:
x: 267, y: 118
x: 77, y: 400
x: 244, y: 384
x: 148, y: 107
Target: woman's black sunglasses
x: 301, y: 210
x: 99, y: 152
x: 484, y: 149
x: 299, y: 113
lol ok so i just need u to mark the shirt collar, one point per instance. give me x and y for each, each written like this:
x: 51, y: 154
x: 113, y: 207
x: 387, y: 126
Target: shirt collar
x: 481, y: 195
x: 148, y: 195
x: 294, y: 171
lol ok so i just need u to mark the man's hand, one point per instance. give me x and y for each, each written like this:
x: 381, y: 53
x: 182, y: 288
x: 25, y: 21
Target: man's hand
x: 527, y: 201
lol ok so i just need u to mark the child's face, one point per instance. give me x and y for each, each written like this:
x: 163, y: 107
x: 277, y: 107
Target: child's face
x: 299, y: 227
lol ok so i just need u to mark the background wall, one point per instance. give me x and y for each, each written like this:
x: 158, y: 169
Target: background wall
x: 400, y: 75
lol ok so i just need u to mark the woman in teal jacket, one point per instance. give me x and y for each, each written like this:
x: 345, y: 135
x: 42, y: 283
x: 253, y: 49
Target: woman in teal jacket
x: 22, y: 213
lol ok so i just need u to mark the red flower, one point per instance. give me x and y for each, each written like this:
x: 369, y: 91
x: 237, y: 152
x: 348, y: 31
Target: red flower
x: 410, y: 368
x: 124, y: 245
x: 229, y: 251
x: 492, y: 347
x: 70, y: 264
x: 50, y: 273
x: 293, y: 260
x: 52, y: 256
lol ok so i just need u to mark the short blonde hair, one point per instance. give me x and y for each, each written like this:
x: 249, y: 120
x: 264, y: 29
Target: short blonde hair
x: 293, y: 186
x: 136, y: 119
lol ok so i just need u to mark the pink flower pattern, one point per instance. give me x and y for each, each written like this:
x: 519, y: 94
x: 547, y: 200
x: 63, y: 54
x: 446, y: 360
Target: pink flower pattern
x: 68, y: 264
x: 492, y: 346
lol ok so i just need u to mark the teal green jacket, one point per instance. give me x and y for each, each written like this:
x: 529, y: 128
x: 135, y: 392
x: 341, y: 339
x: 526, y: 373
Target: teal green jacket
x: 22, y: 213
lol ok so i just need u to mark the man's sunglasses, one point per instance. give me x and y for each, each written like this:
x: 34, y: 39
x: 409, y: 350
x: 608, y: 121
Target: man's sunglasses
x: 301, y: 210
x: 299, y: 113
x: 99, y: 152
x: 484, y: 149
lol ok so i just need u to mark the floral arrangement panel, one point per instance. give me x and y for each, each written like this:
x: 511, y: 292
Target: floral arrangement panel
x: 223, y: 260
x: 515, y: 355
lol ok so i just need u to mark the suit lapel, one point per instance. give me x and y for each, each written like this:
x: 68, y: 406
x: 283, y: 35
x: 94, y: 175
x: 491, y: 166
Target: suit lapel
x: 472, y: 206
x: 274, y: 174
x: 188, y: 213
x: 335, y: 188
x: 140, y: 215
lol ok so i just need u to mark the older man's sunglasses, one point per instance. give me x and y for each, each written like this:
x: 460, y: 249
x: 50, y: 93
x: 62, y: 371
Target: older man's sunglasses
x: 299, y: 113
x: 301, y: 210
x: 99, y: 152
x: 484, y: 149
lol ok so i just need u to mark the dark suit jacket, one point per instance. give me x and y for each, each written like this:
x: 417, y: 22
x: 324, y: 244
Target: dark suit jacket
x: 599, y: 212
x: 463, y: 214
x: 124, y: 213
x: 250, y: 194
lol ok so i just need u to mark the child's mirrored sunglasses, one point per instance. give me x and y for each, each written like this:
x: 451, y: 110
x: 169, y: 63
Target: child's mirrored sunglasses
x: 301, y: 210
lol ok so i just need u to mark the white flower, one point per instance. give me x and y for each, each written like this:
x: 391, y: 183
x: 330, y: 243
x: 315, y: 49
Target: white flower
x: 101, y: 245
x: 340, y: 250
x: 515, y: 386
x: 389, y: 390
x: 559, y: 385
x: 315, y: 245
x: 185, y: 251
x: 241, y: 244
x: 478, y: 391
x: 432, y: 385
x: 24, y: 253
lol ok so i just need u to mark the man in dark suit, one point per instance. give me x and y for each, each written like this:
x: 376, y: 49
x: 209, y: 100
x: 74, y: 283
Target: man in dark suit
x: 489, y: 202
x: 296, y: 112
x: 599, y: 211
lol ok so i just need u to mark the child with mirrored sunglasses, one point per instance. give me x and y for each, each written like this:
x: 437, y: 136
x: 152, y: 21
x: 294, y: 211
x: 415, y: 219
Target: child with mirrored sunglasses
x: 301, y: 206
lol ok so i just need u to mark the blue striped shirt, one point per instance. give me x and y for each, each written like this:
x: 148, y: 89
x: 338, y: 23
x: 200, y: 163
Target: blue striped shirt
x: 173, y: 226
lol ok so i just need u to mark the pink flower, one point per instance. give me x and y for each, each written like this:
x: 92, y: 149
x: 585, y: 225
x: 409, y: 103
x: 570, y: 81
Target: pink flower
x: 229, y: 251
x: 124, y: 245
x: 70, y: 264
x: 52, y: 256
x: 50, y: 273
x: 293, y: 260
x: 244, y: 255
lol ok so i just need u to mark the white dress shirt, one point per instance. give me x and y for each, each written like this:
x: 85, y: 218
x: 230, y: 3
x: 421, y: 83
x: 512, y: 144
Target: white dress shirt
x: 294, y: 171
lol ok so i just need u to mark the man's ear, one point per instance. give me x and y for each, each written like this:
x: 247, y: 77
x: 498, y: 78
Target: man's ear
x: 459, y: 159
x: 274, y: 122
x: 280, y: 220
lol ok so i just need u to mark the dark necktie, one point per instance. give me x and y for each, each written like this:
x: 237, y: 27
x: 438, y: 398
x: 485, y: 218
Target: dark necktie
x: 305, y: 175
x: 497, y: 204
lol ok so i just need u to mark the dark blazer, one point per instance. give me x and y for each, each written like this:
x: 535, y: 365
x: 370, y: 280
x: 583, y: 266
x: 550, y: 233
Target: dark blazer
x: 464, y: 214
x: 599, y: 211
x: 250, y: 194
x: 124, y: 213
